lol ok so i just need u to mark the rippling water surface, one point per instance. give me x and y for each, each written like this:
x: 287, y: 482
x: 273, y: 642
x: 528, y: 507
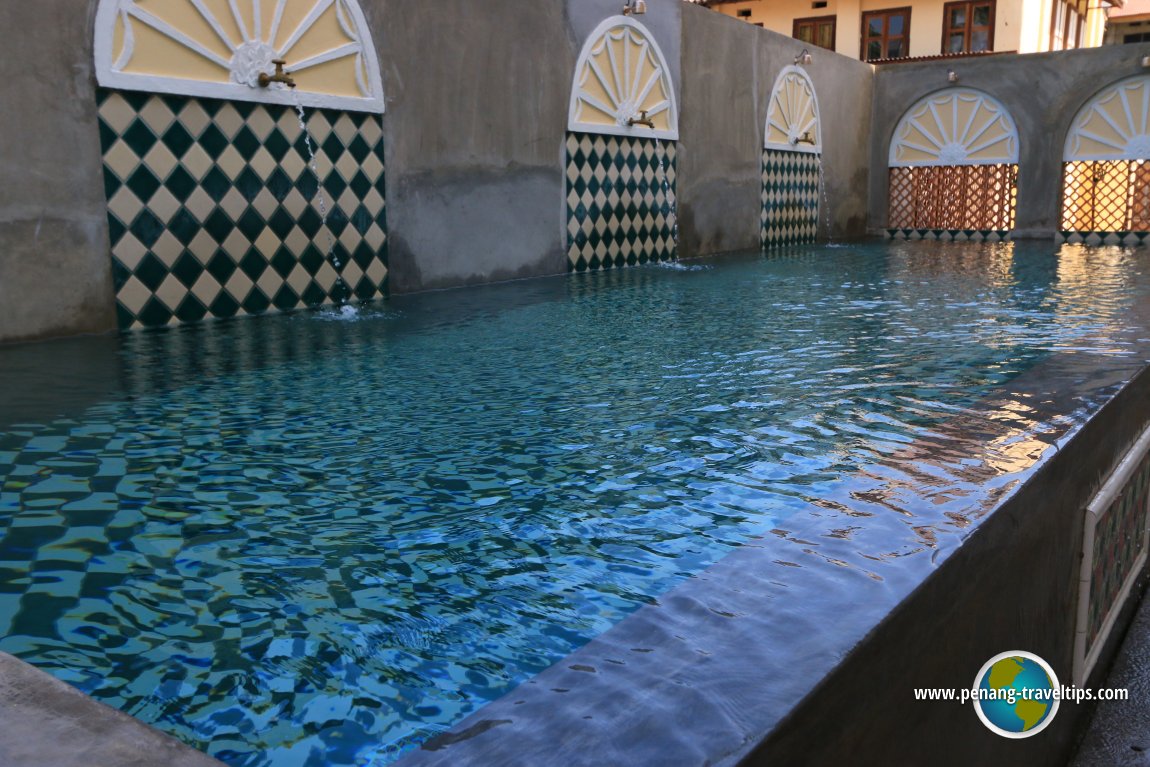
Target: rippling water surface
x: 309, y: 541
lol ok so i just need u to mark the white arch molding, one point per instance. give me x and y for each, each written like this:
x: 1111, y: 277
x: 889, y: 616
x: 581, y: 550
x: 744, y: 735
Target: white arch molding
x: 957, y: 126
x: 1113, y: 125
x: 793, y: 123
x: 218, y: 48
x: 622, y: 72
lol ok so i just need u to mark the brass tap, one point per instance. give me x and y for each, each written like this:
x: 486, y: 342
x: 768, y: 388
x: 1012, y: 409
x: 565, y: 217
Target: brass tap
x: 280, y: 76
x: 642, y: 119
x: 806, y: 138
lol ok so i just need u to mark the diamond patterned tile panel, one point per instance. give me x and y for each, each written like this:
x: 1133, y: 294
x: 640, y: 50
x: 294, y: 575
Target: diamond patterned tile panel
x: 620, y: 201
x: 215, y: 211
x: 790, y: 212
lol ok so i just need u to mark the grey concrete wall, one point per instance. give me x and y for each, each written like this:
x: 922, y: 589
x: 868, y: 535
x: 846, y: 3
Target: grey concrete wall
x: 720, y: 136
x: 1043, y: 92
x: 55, y: 273
x: 476, y: 105
x: 729, y: 71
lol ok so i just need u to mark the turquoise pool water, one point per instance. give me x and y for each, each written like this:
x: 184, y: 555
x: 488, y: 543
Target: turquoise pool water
x: 306, y: 541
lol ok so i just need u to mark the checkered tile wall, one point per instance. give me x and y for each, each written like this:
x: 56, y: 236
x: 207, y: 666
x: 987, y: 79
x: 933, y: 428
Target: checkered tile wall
x: 620, y: 201
x: 790, y: 212
x: 950, y: 235
x: 214, y: 209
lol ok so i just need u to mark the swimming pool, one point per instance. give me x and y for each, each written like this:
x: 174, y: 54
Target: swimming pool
x: 301, y: 540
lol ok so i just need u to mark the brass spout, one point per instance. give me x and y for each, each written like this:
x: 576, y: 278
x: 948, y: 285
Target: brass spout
x: 280, y: 76
x: 806, y: 138
x: 642, y: 119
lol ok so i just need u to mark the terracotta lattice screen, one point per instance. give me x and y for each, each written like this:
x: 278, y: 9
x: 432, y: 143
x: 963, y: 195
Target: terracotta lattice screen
x: 1106, y: 196
x: 955, y: 197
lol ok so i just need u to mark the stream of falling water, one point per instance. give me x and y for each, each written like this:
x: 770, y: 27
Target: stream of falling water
x: 825, y: 206
x: 344, y: 293
x: 668, y: 197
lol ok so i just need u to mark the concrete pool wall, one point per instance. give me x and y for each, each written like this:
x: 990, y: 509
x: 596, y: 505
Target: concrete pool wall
x: 705, y: 674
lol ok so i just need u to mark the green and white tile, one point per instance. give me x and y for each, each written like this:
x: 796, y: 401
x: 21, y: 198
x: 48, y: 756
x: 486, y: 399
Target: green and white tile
x: 620, y: 201
x: 214, y: 210
x: 790, y: 198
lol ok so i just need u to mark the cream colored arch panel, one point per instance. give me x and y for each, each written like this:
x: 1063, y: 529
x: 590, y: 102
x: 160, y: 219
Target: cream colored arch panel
x: 620, y: 77
x: 793, y: 114
x: 1114, y: 125
x: 218, y: 49
x: 958, y: 126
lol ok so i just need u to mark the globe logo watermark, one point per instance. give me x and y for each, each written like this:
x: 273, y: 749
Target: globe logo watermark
x: 1016, y: 694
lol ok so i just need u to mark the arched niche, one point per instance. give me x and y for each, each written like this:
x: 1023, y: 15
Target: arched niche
x: 958, y: 126
x: 1113, y: 125
x: 218, y: 48
x: 793, y: 114
x: 1106, y: 166
x: 954, y: 166
x: 622, y: 73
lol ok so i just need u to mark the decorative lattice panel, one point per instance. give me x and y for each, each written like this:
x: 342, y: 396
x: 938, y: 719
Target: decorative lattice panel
x: 790, y: 198
x: 215, y: 211
x: 1106, y: 196
x: 953, y: 197
x: 620, y: 201
x: 1119, y: 541
x: 1114, y: 553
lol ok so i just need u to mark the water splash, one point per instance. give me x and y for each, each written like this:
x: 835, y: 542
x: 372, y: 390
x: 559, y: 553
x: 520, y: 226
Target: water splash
x: 341, y: 295
x: 344, y: 313
x: 676, y: 266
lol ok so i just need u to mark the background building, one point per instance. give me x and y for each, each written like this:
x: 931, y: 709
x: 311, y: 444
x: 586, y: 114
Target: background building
x: 875, y: 30
x: 1129, y: 24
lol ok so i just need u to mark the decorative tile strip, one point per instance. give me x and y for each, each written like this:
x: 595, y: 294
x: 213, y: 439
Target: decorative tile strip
x: 1131, y: 239
x: 950, y: 235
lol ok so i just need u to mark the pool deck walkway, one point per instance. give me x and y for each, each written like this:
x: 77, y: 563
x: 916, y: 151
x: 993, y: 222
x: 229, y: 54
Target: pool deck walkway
x: 1119, y: 734
x: 44, y: 721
